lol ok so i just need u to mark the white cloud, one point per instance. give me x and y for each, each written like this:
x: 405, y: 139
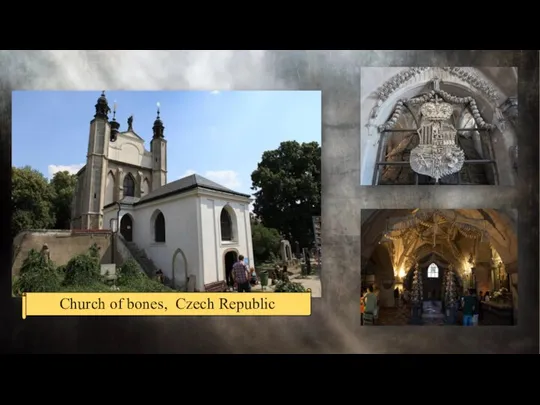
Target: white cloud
x: 188, y: 173
x: 215, y: 92
x: 226, y: 178
x: 52, y: 169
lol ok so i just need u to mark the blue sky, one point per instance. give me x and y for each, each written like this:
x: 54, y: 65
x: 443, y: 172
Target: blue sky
x: 219, y: 135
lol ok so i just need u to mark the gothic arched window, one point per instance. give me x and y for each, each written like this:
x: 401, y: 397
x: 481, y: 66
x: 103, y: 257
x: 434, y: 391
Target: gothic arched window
x: 433, y: 271
x: 159, y: 228
x: 226, y: 225
x: 129, y: 186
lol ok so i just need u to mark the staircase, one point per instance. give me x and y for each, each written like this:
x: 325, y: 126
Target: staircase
x: 140, y: 257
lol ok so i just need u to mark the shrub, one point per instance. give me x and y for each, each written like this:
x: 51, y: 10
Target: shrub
x: 128, y: 270
x: 82, y: 270
x: 37, y: 274
x: 143, y: 284
x: 90, y: 287
x: 132, y: 279
x: 284, y: 286
x: 94, y: 251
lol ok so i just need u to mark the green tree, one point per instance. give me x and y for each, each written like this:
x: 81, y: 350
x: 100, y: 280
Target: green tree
x: 31, y: 199
x: 265, y: 241
x: 288, y: 189
x: 63, y: 188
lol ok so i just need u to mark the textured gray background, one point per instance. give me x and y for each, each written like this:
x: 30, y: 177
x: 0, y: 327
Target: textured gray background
x: 334, y: 325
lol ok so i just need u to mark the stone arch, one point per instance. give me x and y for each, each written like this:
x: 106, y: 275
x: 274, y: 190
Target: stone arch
x: 444, y: 265
x: 129, y: 185
x: 226, y: 252
x: 126, y: 227
x: 145, y: 189
x: 228, y: 224
x: 383, y: 268
x: 440, y: 251
x: 158, y: 226
x: 110, y: 186
x: 180, y: 271
x: 381, y: 104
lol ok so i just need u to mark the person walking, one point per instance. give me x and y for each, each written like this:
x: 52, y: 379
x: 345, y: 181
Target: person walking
x: 240, y: 273
x: 469, y: 307
x: 370, y: 306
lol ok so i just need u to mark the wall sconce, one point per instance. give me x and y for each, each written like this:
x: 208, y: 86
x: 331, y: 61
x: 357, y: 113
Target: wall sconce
x: 114, y: 225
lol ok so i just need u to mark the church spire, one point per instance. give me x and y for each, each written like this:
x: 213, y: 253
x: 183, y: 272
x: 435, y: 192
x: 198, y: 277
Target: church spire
x: 115, y: 125
x: 102, y: 107
x: 158, y: 127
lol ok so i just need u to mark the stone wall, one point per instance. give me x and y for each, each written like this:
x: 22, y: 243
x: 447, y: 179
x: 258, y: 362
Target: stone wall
x: 63, y: 245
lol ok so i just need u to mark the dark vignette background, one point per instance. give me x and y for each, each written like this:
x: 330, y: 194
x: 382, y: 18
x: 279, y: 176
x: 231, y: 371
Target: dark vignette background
x: 334, y: 326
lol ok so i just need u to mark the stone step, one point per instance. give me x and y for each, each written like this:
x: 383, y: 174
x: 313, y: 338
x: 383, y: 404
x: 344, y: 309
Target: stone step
x: 140, y: 257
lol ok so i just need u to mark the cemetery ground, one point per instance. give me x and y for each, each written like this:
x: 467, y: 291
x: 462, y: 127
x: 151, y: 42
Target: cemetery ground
x: 295, y: 277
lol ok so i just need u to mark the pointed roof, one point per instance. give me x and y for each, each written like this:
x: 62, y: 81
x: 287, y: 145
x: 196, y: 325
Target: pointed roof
x: 185, y: 184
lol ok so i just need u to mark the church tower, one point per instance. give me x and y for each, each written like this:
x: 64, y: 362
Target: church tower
x: 96, y: 167
x: 158, y: 147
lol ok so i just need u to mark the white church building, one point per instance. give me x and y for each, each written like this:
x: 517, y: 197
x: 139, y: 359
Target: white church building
x: 189, y: 228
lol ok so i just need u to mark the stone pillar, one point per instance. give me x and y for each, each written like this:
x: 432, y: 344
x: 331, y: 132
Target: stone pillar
x: 512, y: 271
x: 482, y: 275
x: 386, y: 293
x: 139, y: 184
x: 119, y: 186
x: 515, y: 297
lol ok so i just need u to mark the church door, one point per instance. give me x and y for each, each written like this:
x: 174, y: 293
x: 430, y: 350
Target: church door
x: 126, y: 227
x: 230, y: 258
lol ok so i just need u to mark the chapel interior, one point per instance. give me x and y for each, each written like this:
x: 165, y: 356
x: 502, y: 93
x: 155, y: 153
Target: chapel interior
x: 478, y: 247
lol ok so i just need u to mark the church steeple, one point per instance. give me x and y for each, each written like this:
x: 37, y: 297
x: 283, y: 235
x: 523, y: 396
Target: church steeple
x: 158, y: 147
x: 102, y: 107
x: 115, y: 125
x: 158, y: 127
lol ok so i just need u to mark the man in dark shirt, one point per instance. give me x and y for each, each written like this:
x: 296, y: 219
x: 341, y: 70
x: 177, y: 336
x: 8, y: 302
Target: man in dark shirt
x: 240, y: 273
x: 469, y: 306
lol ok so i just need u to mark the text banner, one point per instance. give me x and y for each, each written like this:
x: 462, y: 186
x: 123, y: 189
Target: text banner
x: 166, y: 304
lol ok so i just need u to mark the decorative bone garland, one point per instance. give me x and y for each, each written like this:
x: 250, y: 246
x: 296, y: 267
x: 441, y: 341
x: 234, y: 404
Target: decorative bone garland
x: 449, y: 98
x: 404, y: 76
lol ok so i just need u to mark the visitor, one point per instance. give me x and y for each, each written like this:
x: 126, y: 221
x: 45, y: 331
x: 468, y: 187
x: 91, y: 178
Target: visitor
x: 405, y: 297
x: 229, y: 277
x: 469, y: 305
x: 253, y: 279
x: 285, y: 274
x: 370, y: 304
x: 396, y: 297
x: 476, y: 307
x: 362, y: 306
x: 159, y: 276
x: 241, y: 275
x: 481, y: 298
